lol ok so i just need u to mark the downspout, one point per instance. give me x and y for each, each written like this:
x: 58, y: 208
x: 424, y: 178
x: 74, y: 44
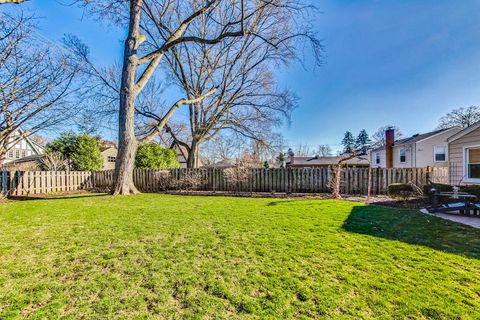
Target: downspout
x: 415, y: 152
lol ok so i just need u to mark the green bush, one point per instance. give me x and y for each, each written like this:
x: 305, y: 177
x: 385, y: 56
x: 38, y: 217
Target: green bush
x: 152, y: 156
x: 439, y: 186
x: 82, y: 151
x: 471, y: 189
x: 400, y: 190
x: 87, y: 156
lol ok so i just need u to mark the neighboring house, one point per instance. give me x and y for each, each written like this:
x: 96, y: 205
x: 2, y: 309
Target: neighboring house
x: 25, y: 150
x: 109, y: 151
x: 418, y: 151
x: 319, y: 162
x: 24, y: 147
x: 464, y: 156
x: 182, y: 155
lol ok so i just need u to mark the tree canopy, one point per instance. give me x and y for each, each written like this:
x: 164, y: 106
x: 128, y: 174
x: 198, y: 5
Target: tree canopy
x: 461, y: 117
x: 82, y: 151
x: 363, y: 142
x: 348, y: 142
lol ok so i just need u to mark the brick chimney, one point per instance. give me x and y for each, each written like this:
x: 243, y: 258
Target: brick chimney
x: 389, y: 142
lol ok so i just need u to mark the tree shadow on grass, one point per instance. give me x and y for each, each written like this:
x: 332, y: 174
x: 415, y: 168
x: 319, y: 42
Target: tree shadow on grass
x: 413, y: 227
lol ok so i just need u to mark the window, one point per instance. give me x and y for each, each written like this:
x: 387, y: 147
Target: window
x: 473, y: 163
x: 17, y: 154
x: 10, y: 154
x: 377, y: 158
x: 24, y: 153
x: 402, y: 155
x: 111, y: 159
x: 440, y: 154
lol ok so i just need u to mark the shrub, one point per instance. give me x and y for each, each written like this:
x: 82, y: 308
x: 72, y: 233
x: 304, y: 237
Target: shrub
x: 401, y: 190
x: 82, y: 151
x: 471, y: 189
x: 87, y: 156
x: 439, y: 186
x: 152, y: 156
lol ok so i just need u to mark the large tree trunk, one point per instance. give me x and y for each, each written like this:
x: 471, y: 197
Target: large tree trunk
x: 192, y: 159
x: 127, y: 141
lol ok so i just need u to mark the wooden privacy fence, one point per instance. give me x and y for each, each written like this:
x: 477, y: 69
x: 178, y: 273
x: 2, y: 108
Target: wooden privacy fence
x: 24, y: 183
x: 290, y: 180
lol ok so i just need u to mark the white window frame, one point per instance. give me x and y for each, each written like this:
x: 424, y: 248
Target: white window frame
x: 435, y: 154
x: 465, y: 164
x: 400, y: 155
x: 378, y: 159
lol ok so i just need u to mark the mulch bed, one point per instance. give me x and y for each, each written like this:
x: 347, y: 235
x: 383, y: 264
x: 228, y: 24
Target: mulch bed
x: 414, y: 203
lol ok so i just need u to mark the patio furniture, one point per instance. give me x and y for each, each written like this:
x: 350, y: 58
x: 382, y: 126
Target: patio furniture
x: 465, y: 204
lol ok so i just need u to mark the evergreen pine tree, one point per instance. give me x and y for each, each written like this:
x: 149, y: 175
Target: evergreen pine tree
x: 363, y: 142
x: 348, y: 142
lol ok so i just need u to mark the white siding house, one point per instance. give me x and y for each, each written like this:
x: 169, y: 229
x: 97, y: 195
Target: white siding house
x: 418, y: 151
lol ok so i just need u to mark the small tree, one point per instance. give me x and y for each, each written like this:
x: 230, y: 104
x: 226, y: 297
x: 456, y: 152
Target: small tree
x: 379, y: 135
x: 53, y: 161
x: 152, y: 156
x: 348, y: 142
x: 81, y: 151
x: 324, y: 150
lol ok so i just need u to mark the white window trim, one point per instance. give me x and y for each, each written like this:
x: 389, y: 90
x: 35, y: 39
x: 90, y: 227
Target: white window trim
x: 400, y: 155
x: 435, y: 153
x: 465, y: 165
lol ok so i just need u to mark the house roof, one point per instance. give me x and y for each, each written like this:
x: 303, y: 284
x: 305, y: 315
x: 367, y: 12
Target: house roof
x: 37, y: 148
x: 106, y: 144
x: 220, y: 164
x: 464, y: 132
x: 416, y: 138
x: 33, y: 157
x: 325, y: 161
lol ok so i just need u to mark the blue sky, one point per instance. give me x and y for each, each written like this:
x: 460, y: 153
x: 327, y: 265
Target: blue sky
x: 386, y: 62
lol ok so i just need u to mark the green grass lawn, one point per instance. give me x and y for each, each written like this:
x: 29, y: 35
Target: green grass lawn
x: 173, y: 257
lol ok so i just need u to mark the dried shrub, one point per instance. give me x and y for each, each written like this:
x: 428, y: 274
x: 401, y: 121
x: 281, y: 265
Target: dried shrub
x: 238, y: 175
x: 164, y: 179
x: 190, y: 180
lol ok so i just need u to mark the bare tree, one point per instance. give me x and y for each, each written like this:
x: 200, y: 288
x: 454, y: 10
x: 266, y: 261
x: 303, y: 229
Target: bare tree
x: 379, y: 135
x: 303, y: 150
x: 324, y: 150
x: 36, y: 78
x: 247, y: 100
x: 156, y: 27
x: 461, y: 117
x: 54, y: 161
x: 336, y: 181
x: 222, y: 147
